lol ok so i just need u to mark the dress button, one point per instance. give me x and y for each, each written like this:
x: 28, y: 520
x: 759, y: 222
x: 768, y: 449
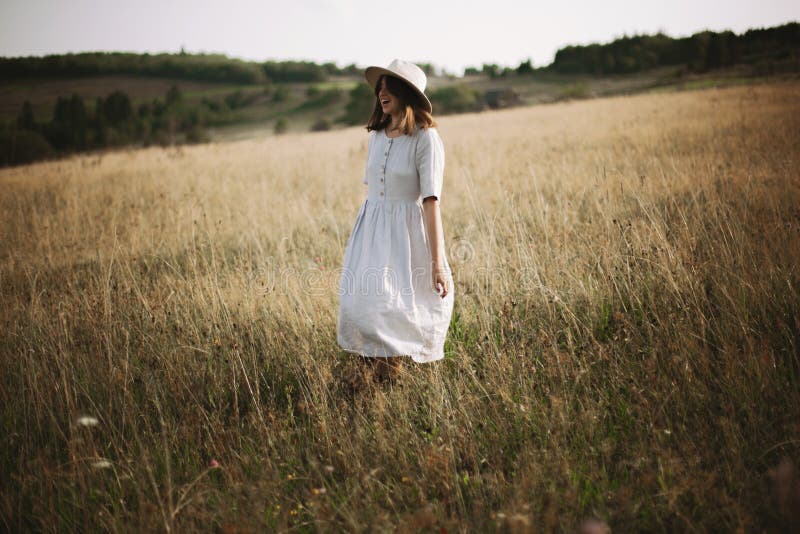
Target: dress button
x: 381, y: 179
x: 381, y: 193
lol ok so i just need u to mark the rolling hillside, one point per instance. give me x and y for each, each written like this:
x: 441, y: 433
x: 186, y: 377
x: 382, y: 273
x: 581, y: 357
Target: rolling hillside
x: 66, y: 103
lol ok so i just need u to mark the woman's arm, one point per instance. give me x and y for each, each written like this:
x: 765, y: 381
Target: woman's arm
x: 433, y: 228
x: 430, y: 166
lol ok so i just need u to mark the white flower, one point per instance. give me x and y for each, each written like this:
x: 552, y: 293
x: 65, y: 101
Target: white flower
x: 87, y: 420
x: 101, y: 464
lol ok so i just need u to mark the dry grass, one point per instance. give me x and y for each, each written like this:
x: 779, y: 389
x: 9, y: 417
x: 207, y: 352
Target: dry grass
x: 624, y: 345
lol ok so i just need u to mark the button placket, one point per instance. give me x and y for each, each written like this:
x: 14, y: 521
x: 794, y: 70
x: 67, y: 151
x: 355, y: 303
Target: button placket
x: 383, y: 167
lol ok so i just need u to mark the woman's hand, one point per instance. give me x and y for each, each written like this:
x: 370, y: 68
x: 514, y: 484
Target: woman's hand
x: 440, y: 282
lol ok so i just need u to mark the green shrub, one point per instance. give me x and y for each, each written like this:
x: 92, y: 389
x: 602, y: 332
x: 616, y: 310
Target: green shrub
x: 174, y: 95
x: 321, y: 99
x: 196, y: 134
x: 25, y: 120
x: 161, y: 138
x: 234, y: 100
x: 281, y: 94
x: 321, y: 125
x: 501, y: 98
x: 116, y: 108
x: 238, y: 99
x: 22, y: 146
x: 70, y: 124
x: 281, y: 126
x: 212, y: 105
x: 456, y: 99
x: 576, y: 91
x: 360, y: 106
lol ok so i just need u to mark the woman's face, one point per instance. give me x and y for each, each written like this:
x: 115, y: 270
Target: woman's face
x: 389, y: 102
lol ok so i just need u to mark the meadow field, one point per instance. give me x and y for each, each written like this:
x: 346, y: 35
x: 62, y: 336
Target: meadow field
x: 625, y: 342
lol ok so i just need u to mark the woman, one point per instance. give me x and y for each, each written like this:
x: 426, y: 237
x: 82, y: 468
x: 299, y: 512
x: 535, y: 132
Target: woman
x: 396, y: 288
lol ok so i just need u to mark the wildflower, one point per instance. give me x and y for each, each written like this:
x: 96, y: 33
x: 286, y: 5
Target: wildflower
x: 87, y: 421
x: 101, y: 464
x: 329, y: 469
x: 214, y: 464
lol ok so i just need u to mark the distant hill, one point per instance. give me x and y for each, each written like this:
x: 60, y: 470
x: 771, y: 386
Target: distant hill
x: 58, y: 104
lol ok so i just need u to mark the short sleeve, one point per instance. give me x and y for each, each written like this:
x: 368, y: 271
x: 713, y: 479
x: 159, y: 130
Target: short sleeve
x: 430, y: 163
x: 369, y: 149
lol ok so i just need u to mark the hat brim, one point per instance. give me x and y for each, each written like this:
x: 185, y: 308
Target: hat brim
x: 373, y: 74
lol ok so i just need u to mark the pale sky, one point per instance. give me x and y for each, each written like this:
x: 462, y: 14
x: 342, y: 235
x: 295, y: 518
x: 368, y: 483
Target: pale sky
x: 449, y: 34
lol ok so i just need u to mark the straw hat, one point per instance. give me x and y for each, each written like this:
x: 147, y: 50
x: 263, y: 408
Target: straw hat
x: 406, y: 71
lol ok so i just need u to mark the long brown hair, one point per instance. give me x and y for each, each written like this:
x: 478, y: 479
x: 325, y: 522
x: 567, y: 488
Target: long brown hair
x: 413, y: 114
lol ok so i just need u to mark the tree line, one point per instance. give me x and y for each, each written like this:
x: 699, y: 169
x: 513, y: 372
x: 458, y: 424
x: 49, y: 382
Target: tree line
x: 699, y: 52
x: 113, y: 121
x: 200, y: 67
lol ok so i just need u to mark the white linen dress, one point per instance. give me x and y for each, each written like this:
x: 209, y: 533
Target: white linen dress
x: 387, y: 303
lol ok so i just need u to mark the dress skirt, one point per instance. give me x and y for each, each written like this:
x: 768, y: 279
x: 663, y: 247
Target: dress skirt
x: 387, y: 303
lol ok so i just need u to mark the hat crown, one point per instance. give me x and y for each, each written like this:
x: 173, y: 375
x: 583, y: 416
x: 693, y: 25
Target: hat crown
x: 405, y: 70
x: 411, y: 72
